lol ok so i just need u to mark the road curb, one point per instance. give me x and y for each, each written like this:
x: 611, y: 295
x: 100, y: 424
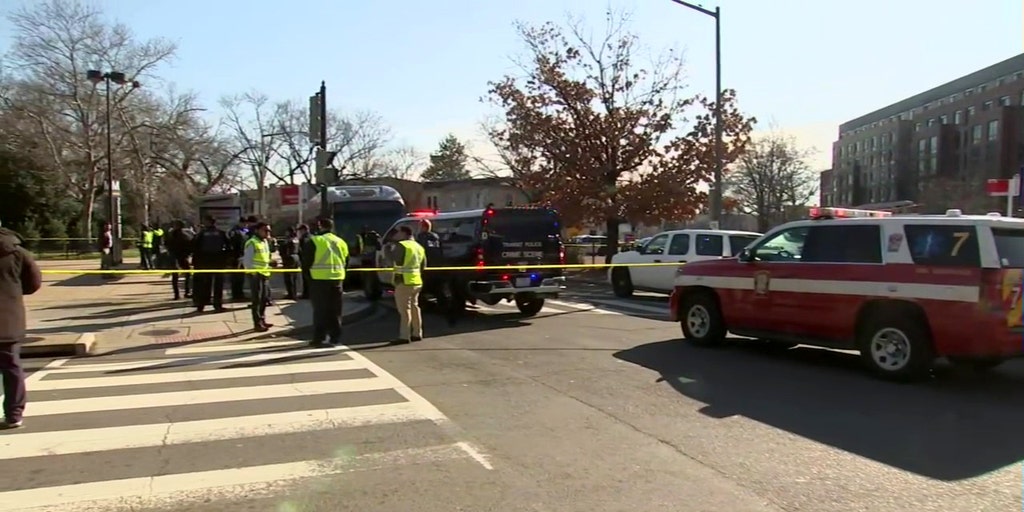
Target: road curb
x: 82, y: 346
x: 346, y: 319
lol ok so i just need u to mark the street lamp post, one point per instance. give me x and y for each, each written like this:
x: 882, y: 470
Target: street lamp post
x: 716, y: 190
x: 118, y: 78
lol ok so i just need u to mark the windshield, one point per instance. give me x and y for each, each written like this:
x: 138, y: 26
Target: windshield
x: 1010, y: 247
x: 351, y: 216
x: 524, y: 225
x: 739, y: 242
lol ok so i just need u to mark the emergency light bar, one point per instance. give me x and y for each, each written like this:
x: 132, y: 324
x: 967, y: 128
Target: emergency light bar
x: 422, y: 213
x: 845, y: 213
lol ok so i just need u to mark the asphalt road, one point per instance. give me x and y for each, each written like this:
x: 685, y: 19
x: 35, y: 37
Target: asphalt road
x: 578, y: 409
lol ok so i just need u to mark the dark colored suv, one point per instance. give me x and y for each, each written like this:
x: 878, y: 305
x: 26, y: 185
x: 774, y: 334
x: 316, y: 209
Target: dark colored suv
x: 512, y: 238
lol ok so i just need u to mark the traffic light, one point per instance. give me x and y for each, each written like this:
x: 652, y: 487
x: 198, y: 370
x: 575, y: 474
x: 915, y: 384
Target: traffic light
x: 315, y: 118
x: 325, y: 174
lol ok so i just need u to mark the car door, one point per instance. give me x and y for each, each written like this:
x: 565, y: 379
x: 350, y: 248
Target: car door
x: 654, y: 251
x: 663, y: 277
x: 709, y: 246
x: 767, y: 272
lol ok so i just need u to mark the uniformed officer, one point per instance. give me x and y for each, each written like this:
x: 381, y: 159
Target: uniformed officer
x: 410, y: 258
x: 327, y: 275
x: 210, y: 252
x: 256, y: 258
x: 289, y: 251
x: 237, y: 238
x: 306, y: 249
x: 179, y: 248
x: 146, y: 247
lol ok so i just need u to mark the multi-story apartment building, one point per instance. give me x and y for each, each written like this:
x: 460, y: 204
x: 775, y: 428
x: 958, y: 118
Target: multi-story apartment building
x: 936, y: 148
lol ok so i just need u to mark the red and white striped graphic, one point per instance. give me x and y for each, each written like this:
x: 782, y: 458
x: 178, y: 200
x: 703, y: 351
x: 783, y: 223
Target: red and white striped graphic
x: 1003, y: 188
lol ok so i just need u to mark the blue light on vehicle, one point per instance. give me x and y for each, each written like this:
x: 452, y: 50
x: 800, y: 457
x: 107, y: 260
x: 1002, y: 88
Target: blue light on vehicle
x: 533, y: 277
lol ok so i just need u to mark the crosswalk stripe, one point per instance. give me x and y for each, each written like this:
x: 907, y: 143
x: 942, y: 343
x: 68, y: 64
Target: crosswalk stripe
x: 63, y: 442
x: 583, y: 307
x: 234, y: 347
x: 175, y: 362
x: 195, y: 376
x: 182, y: 488
x: 629, y: 305
x: 207, y: 396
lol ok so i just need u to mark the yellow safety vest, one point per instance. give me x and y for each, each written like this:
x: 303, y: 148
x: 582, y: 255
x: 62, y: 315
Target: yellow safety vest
x: 329, y: 259
x: 158, y: 232
x: 147, y: 239
x: 260, y: 256
x: 415, y: 255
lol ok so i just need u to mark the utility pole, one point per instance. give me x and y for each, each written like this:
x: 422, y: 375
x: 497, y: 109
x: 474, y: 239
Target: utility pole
x: 324, y: 174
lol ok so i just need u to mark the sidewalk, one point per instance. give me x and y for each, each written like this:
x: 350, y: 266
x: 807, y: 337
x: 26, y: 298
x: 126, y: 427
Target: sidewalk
x: 87, y: 314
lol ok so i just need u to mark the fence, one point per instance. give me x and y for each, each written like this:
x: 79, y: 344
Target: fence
x: 72, y: 248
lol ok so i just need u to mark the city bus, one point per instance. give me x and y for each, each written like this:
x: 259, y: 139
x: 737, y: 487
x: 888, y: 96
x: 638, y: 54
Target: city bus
x: 355, y: 207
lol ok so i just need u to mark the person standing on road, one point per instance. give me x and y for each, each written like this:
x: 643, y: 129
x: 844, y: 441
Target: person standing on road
x: 19, y: 276
x: 256, y: 259
x: 410, y: 259
x: 305, y: 246
x: 288, y: 249
x: 146, y: 247
x: 237, y: 236
x: 210, y: 252
x: 107, y: 248
x: 327, y: 276
x: 179, y: 248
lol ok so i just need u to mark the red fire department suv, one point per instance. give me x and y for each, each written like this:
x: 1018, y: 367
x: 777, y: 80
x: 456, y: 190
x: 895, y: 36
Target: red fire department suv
x: 902, y: 290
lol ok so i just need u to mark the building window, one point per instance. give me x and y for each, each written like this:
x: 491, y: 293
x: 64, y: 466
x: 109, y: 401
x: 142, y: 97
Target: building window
x: 970, y: 112
x: 917, y: 127
x: 1004, y: 101
x: 931, y: 122
x: 958, y: 117
x: 976, y: 134
x: 993, y: 129
x: 987, y: 105
x: 943, y: 119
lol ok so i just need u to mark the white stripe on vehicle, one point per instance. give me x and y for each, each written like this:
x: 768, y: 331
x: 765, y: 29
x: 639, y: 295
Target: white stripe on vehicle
x: 894, y: 290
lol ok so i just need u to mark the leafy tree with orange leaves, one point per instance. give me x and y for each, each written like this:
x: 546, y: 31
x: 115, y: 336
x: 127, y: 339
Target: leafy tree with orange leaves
x: 603, y: 138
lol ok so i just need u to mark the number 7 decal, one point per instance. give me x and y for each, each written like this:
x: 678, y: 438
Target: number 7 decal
x: 961, y: 237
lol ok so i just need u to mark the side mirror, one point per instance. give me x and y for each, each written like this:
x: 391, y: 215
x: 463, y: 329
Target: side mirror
x: 640, y: 249
x: 746, y: 256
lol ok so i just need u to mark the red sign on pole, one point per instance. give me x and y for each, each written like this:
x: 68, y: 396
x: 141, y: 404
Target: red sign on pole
x: 1001, y: 188
x: 290, y: 195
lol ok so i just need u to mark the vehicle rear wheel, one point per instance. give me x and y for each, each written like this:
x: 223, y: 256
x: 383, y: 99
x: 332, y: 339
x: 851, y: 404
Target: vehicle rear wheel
x: 976, y: 364
x: 896, y: 346
x: 529, y: 306
x: 702, y: 321
x: 622, y: 284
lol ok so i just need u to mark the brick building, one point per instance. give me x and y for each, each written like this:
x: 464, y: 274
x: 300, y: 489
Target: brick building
x: 936, y: 148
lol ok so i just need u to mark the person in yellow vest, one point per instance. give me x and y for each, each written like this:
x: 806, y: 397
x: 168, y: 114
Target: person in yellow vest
x: 146, y: 247
x: 327, y: 275
x: 256, y: 259
x: 410, y: 258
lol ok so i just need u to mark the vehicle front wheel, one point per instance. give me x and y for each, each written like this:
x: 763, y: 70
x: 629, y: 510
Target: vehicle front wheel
x: 529, y: 306
x: 622, y: 284
x: 896, y: 346
x: 702, y: 320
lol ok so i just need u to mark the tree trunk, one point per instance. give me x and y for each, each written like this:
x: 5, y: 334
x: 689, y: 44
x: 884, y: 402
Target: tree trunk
x: 612, y: 232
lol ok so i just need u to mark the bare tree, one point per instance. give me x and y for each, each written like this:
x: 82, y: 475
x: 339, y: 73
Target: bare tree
x: 54, y: 42
x: 401, y: 162
x: 253, y: 135
x: 769, y: 176
x: 517, y: 162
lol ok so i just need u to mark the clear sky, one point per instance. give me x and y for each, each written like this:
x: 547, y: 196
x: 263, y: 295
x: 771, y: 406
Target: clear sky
x: 802, y: 65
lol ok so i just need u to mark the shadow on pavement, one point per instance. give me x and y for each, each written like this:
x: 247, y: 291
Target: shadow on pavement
x: 122, y: 312
x: 164, y: 346
x: 952, y: 427
x: 89, y: 280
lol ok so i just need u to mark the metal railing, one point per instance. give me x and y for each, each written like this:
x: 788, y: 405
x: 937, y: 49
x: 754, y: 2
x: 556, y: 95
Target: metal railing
x: 70, y: 248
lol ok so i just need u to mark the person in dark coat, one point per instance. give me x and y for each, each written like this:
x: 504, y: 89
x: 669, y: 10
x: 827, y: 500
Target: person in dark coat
x: 178, y: 242
x: 288, y: 249
x: 237, y: 237
x: 210, y: 251
x: 305, y: 246
x: 19, y: 276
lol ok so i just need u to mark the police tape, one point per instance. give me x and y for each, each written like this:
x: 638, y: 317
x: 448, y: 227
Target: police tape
x: 280, y: 270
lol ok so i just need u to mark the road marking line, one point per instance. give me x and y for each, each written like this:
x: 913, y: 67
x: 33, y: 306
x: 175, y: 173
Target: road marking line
x: 196, y: 376
x: 639, y: 307
x: 184, y: 362
x: 424, y: 404
x: 64, y: 442
x: 222, y: 484
x: 207, y: 396
x: 583, y: 307
x: 39, y: 374
x: 205, y: 349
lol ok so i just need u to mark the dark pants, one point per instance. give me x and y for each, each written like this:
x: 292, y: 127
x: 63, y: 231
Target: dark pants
x: 207, y: 285
x: 291, y: 280
x: 146, y: 257
x: 237, y: 282
x: 326, y: 297
x: 259, y: 287
x: 305, y: 283
x: 181, y: 264
x: 14, y: 381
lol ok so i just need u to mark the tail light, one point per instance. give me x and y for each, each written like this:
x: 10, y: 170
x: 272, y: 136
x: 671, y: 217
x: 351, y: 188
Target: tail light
x: 561, y: 255
x: 480, y: 257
